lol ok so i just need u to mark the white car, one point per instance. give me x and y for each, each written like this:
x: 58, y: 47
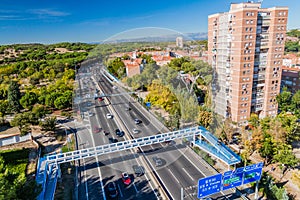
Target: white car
x: 115, y: 87
x: 135, y: 131
x: 91, y: 114
x: 108, y: 116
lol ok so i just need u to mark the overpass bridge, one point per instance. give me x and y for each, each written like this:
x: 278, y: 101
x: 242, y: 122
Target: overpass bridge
x: 48, y: 168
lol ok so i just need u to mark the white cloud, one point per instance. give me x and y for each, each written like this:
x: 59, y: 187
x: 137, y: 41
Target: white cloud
x: 48, y: 13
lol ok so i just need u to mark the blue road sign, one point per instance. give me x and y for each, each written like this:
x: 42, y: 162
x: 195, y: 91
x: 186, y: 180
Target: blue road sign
x: 252, y: 173
x: 209, y: 185
x: 148, y: 104
x: 233, y: 179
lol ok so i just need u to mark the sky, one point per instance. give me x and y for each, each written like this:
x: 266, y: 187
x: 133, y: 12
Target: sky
x: 53, y: 21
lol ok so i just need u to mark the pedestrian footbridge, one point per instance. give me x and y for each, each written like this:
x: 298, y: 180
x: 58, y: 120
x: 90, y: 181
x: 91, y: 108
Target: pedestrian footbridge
x: 48, y: 168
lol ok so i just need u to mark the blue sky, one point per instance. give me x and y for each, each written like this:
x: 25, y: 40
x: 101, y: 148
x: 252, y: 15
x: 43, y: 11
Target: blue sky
x: 52, y: 21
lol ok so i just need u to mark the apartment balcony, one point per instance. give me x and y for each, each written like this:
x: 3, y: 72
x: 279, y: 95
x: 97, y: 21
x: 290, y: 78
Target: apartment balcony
x: 260, y: 85
x: 258, y: 108
x: 265, y: 23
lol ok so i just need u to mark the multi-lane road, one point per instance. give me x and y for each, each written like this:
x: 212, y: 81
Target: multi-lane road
x: 179, y: 167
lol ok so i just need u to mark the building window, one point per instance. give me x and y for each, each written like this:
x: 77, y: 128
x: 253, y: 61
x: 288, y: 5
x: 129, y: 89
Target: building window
x: 251, y: 21
x: 250, y: 29
x: 247, y: 21
x: 247, y: 29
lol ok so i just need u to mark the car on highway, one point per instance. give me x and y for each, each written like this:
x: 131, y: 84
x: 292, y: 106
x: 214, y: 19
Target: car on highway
x: 138, y: 170
x: 135, y: 131
x: 127, y: 108
x: 119, y: 133
x: 91, y: 114
x: 115, y: 87
x: 109, y: 116
x: 106, y: 132
x: 112, y: 140
x: 157, y: 161
x: 112, y: 190
x: 137, y: 121
x: 100, y: 99
x: 125, y: 178
x: 96, y: 129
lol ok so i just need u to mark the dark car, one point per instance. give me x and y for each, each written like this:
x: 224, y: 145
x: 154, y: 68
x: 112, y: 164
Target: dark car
x: 120, y: 133
x: 138, y: 170
x: 112, y: 140
x: 137, y: 121
x: 157, y: 161
x: 106, y: 132
x: 112, y: 189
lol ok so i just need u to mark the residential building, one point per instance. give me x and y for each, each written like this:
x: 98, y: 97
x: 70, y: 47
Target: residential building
x: 290, y: 79
x: 133, y: 67
x: 291, y: 60
x: 245, y: 47
x: 179, y: 42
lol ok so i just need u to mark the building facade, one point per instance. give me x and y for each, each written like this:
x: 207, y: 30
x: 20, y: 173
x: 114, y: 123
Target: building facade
x: 245, y: 48
x: 290, y: 79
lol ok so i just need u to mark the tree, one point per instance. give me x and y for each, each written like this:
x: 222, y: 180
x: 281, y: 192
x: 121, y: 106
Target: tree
x: 204, y: 117
x: 49, y: 124
x: 39, y: 111
x: 285, y: 156
x: 296, y: 103
x: 267, y: 148
x: 257, y: 138
x: 284, y: 100
x: 61, y: 102
x: 254, y: 120
x: 28, y: 100
x: 13, y: 96
x: 4, y: 109
x: 21, y: 121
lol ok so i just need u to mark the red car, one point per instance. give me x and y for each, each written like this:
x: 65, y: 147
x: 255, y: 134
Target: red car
x: 126, y: 179
x: 96, y: 129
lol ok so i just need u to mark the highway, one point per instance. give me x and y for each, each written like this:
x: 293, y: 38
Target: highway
x: 177, y: 170
x: 95, y: 173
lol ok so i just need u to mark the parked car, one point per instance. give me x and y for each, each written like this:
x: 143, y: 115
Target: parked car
x: 125, y: 178
x: 112, y: 189
x: 91, y: 114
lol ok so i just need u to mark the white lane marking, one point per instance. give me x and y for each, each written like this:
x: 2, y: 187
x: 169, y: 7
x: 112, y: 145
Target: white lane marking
x: 135, y: 188
x: 120, y: 190
x: 187, y: 174
x: 173, y: 175
x: 85, y: 177
x: 85, y: 180
x: 98, y: 167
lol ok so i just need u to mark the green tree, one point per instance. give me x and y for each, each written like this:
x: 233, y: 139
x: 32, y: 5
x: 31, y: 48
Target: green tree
x: 21, y: 121
x: 284, y: 100
x: 13, y: 96
x: 49, y: 124
x: 4, y: 109
x: 28, y: 100
x: 267, y: 148
x: 39, y: 111
x: 61, y: 102
x: 296, y: 103
x: 285, y: 156
x: 254, y: 120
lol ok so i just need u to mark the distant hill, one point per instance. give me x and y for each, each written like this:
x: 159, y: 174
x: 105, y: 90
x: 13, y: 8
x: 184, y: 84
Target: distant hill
x: 163, y: 38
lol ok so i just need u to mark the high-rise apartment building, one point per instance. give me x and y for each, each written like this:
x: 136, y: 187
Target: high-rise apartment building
x: 245, y: 47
